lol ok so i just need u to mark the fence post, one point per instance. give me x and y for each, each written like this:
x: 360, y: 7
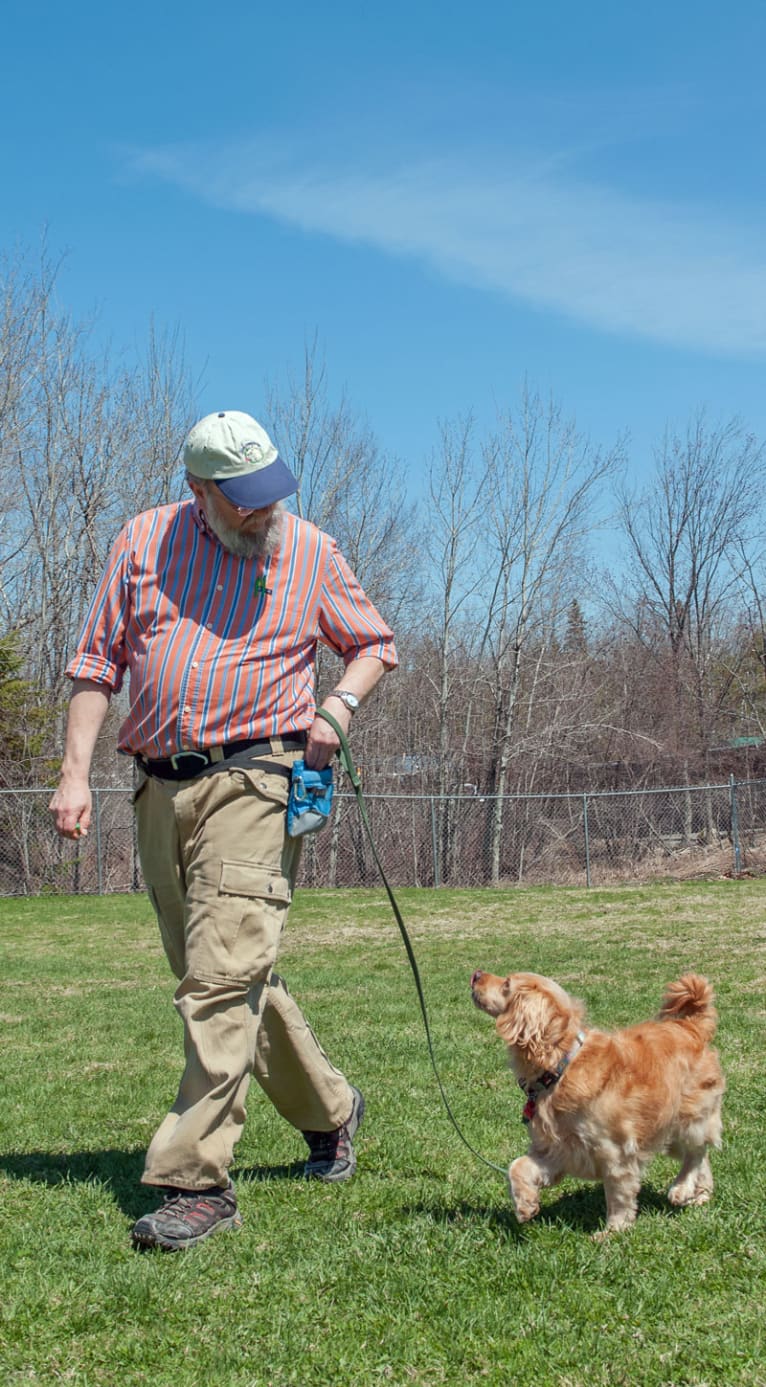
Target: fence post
x: 99, y: 854
x: 435, y: 843
x: 587, y: 838
x: 735, y: 825
x: 134, y: 853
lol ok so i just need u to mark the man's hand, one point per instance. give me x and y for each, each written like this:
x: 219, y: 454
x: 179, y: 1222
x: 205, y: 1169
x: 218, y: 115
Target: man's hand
x: 322, y: 742
x: 71, y: 808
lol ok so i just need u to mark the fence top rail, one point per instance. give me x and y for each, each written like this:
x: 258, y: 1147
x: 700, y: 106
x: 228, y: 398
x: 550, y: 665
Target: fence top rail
x: 48, y: 790
x: 565, y: 794
x: 458, y: 795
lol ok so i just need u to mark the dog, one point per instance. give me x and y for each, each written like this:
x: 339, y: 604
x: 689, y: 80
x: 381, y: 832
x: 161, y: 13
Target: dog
x: 600, y: 1105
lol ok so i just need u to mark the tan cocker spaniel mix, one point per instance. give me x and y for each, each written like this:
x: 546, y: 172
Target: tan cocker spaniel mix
x: 600, y: 1104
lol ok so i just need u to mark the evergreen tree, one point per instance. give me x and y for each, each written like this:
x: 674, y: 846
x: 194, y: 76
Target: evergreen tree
x: 24, y: 720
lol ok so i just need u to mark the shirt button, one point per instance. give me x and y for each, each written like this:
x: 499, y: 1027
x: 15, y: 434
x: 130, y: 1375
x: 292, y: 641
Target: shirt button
x: 219, y: 587
x: 195, y: 664
x: 187, y: 709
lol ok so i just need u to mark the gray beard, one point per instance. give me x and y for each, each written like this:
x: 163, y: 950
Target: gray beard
x: 258, y: 546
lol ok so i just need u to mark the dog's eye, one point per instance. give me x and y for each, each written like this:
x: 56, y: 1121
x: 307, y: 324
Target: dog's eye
x: 507, y: 987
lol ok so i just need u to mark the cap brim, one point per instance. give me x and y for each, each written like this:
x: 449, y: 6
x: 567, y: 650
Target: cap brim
x: 258, y: 489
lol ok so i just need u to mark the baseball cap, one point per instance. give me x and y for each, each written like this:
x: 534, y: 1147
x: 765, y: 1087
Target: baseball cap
x: 231, y: 449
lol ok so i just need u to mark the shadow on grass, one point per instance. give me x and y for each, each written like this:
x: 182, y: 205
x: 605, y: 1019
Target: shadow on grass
x: 584, y: 1210
x: 119, y: 1171
x: 264, y: 1173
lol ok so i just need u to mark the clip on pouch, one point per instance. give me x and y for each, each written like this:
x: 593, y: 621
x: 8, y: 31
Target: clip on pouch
x: 310, y: 799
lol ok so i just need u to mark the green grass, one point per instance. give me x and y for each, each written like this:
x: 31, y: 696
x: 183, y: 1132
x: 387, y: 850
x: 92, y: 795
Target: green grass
x: 416, y: 1271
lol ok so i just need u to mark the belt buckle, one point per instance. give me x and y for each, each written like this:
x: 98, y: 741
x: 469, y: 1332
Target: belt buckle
x: 177, y: 755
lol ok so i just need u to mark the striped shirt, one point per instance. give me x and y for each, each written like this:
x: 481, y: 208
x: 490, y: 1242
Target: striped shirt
x: 220, y: 648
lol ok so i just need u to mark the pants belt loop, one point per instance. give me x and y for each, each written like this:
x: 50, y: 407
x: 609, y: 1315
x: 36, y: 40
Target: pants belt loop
x: 216, y: 753
x: 276, y: 746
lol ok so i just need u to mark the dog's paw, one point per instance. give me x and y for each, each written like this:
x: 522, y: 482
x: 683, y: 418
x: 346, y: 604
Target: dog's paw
x: 524, y: 1180
x: 683, y: 1197
x: 604, y: 1234
x: 525, y: 1212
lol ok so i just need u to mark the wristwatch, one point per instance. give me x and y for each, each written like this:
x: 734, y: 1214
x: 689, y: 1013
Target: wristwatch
x: 350, y: 699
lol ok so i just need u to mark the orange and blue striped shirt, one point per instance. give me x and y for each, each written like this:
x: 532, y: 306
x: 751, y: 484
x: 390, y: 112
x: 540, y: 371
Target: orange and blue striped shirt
x: 220, y: 648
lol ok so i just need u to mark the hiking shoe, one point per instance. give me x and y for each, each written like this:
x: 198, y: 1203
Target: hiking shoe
x: 186, y: 1217
x: 332, y: 1155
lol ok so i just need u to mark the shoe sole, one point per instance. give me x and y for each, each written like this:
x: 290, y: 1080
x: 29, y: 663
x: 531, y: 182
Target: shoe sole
x: 147, y: 1240
x: 328, y: 1178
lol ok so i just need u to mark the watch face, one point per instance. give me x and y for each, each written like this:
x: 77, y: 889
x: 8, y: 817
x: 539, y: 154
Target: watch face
x: 351, y: 701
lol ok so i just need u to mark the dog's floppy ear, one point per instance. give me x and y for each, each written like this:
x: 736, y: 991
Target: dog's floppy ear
x: 536, y: 1021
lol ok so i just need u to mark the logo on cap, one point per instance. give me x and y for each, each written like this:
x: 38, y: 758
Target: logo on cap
x: 252, y: 452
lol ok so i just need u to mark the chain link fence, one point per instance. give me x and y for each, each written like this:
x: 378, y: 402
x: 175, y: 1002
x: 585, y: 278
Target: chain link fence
x: 425, y: 840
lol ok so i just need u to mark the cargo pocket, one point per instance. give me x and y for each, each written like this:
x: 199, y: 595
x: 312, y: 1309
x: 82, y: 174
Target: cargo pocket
x: 244, y: 879
x: 266, y: 784
x: 235, y: 936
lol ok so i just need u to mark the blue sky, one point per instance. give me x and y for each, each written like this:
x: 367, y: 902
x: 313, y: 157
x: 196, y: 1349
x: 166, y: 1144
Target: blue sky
x: 452, y: 196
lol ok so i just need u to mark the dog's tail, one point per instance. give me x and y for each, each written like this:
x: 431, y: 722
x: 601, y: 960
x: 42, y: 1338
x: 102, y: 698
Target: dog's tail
x: 691, y: 999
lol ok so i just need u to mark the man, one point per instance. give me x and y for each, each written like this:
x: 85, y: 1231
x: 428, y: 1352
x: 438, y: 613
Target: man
x: 215, y: 607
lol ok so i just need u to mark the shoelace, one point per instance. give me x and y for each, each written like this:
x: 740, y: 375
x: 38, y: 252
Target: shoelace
x: 328, y: 1143
x: 193, y: 1206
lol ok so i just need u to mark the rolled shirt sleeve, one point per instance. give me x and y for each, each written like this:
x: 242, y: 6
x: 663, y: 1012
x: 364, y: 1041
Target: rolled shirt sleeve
x: 348, y: 622
x: 101, y: 652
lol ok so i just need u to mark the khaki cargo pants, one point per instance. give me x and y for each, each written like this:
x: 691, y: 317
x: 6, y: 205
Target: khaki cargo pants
x: 220, y: 871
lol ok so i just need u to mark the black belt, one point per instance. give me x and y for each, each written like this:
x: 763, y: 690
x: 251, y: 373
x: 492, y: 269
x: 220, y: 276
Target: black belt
x: 184, y: 765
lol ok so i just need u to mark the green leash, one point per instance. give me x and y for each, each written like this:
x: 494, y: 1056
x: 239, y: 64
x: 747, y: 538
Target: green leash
x: 348, y: 766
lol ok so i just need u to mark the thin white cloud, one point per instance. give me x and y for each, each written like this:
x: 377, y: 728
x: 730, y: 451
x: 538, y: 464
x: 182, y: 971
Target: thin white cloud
x: 673, y: 274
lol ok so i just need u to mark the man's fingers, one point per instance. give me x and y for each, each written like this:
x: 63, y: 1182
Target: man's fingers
x: 71, y: 822
x: 73, y: 830
x: 318, y: 757
x: 319, y: 753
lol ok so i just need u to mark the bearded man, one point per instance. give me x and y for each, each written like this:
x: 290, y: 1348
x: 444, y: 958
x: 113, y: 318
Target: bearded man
x: 215, y: 606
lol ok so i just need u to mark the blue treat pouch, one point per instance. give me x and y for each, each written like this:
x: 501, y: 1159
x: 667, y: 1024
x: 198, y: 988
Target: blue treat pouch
x: 310, y: 799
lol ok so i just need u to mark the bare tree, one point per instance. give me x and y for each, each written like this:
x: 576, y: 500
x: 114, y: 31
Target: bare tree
x: 157, y: 397
x: 689, y: 532
x: 745, y: 657
x: 83, y: 444
x: 457, y: 483
x: 318, y: 439
x: 446, y: 638
x: 347, y: 485
x: 546, y: 481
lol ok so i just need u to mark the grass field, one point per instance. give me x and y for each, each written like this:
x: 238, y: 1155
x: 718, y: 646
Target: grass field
x: 416, y: 1271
